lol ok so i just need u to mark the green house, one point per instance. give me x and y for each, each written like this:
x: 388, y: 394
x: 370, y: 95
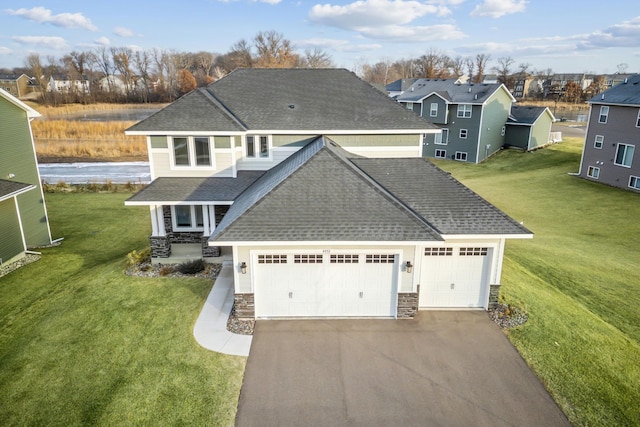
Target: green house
x: 23, y: 213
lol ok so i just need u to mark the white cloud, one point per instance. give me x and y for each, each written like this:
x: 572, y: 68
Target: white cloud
x: 371, y: 13
x: 5, y: 50
x: 123, y: 32
x: 337, y: 45
x: 625, y: 34
x: 66, y: 20
x: 46, y: 41
x: 498, y: 8
x: 102, y: 41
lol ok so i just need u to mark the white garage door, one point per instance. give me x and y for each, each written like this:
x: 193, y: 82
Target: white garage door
x: 454, y: 277
x: 325, y: 285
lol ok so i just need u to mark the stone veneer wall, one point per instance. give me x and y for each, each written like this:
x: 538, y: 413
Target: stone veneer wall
x: 494, y: 292
x: 160, y: 246
x: 244, y: 305
x: 408, y: 304
x: 187, y: 236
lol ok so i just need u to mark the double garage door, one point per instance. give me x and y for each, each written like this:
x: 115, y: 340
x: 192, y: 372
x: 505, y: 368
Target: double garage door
x: 303, y: 284
x: 454, y: 277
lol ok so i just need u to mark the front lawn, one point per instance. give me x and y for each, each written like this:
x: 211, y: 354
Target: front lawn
x: 578, y: 278
x: 83, y: 344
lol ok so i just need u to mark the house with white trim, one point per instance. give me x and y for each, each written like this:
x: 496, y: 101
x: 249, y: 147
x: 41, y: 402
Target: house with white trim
x: 23, y: 214
x: 613, y: 131
x: 312, y: 185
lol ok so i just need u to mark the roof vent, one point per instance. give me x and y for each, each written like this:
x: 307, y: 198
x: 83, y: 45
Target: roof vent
x: 475, y: 96
x: 602, y: 96
x: 292, y: 106
x: 625, y: 80
x: 469, y: 89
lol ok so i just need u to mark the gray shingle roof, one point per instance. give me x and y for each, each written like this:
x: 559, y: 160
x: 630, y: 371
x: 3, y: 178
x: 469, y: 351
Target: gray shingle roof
x: 195, y: 189
x: 622, y: 94
x: 195, y: 111
x: 285, y: 99
x: 10, y: 189
x: 316, y: 195
x: 525, y: 115
x: 474, y: 93
x: 444, y: 203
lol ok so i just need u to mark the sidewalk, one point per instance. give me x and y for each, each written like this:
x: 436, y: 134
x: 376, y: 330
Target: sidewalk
x: 210, y: 330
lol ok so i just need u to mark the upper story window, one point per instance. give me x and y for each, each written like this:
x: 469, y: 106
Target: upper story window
x: 638, y: 120
x: 604, y: 114
x: 463, y: 133
x: 464, y: 110
x: 189, y: 151
x: 433, y: 111
x: 257, y: 147
x: 598, y: 142
x: 409, y: 105
x: 624, y: 155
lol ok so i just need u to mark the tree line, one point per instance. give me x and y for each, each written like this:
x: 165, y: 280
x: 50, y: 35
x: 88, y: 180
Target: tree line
x: 121, y: 74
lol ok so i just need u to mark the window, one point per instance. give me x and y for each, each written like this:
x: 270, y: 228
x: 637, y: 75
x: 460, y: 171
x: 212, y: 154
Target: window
x: 307, y: 259
x: 624, y: 155
x: 464, y: 111
x: 433, y: 112
x: 461, y: 156
x: 257, y: 146
x: 438, y: 251
x: 409, y: 105
x: 638, y: 120
x: 598, y: 142
x: 593, y: 172
x: 187, y: 218
x: 344, y: 259
x: 473, y: 251
x: 441, y: 154
x: 380, y: 259
x: 604, y: 113
x: 634, y: 182
x: 442, y: 138
x: 463, y: 133
x: 272, y: 259
x: 192, y: 151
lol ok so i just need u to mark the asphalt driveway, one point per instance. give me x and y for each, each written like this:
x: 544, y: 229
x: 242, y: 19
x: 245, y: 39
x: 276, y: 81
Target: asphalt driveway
x: 442, y: 368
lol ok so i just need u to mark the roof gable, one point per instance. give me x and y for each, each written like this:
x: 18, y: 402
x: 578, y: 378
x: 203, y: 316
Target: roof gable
x: 527, y: 115
x: 319, y: 196
x: 452, y: 90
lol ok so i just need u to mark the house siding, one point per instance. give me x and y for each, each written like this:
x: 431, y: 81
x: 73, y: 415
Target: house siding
x: 18, y: 158
x: 467, y: 145
x: 517, y: 136
x: 540, y: 132
x: 11, y: 244
x: 160, y: 159
x: 494, y: 118
x: 620, y: 128
x: 405, y: 145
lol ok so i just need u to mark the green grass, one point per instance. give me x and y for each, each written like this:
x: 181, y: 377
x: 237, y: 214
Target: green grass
x: 83, y: 344
x: 578, y: 278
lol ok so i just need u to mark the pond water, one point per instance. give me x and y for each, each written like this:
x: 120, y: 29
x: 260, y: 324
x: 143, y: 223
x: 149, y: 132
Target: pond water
x: 130, y: 114
x: 83, y: 173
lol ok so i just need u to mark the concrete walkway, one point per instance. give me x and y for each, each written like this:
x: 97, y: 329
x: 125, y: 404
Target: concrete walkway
x: 210, y: 329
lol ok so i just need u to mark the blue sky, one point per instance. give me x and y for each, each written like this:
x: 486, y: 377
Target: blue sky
x: 564, y: 35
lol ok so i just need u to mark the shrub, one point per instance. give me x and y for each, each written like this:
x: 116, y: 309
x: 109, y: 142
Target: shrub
x: 138, y: 257
x: 165, y: 270
x: 191, y: 267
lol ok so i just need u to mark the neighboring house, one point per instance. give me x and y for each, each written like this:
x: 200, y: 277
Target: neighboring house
x: 23, y: 214
x: 522, y: 85
x: 311, y: 184
x: 529, y: 128
x: 63, y: 83
x: 18, y: 85
x: 472, y: 116
x: 613, y: 132
x: 399, y: 86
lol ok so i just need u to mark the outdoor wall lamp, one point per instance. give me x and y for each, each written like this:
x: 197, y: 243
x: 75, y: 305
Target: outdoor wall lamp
x: 243, y: 267
x: 408, y: 267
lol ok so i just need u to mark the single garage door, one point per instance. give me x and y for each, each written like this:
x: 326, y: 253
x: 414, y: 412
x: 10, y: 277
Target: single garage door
x: 454, y: 277
x: 325, y: 284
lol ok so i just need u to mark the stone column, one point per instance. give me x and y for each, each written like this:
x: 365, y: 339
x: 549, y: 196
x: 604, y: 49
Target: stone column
x: 160, y: 246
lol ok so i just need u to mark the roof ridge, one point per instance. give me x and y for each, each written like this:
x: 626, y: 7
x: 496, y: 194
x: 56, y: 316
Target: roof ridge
x: 217, y: 103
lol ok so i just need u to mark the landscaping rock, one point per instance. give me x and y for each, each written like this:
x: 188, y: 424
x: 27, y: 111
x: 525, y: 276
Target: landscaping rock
x: 12, y: 266
x: 240, y: 326
x: 508, y: 316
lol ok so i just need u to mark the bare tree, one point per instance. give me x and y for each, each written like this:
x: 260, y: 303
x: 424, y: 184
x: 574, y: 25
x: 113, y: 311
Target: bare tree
x: 470, y: 65
x: 380, y: 73
x: 142, y: 62
x: 318, y: 58
x: 405, y: 68
x: 622, y: 68
x: 481, y: 64
x: 572, y: 92
x: 122, y: 60
x: 34, y: 64
x: 503, y: 70
x: 433, y: 64
x: 457, y: 66
x: 274, y: 51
